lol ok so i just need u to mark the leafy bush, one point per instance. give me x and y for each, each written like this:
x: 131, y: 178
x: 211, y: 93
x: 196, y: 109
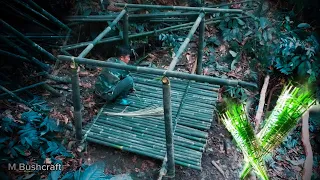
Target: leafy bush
x: 171, y: 40
x: 33, y: 133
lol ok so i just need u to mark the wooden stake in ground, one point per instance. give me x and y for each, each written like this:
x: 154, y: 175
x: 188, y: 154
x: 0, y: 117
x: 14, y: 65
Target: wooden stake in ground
x: 307, y: 170
x: 261, y: 102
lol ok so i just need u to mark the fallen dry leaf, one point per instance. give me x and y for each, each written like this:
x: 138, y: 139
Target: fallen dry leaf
x: 85, y: 85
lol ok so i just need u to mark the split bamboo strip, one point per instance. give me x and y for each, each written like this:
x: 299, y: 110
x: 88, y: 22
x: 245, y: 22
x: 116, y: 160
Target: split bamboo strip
x: 138, y: 151
x: 185, y: 42
x: 143, y: 148
x: 159, y: 148
x: 100, y: 128
x: 32, y: 59
x: 28, y: 41
x: 204, y: 86
x: 204, y: 9
x: 149, y: 130
x: 48, y: 15
x: 155, y: 141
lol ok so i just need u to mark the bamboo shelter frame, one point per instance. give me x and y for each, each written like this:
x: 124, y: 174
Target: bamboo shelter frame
x: 169, y: 129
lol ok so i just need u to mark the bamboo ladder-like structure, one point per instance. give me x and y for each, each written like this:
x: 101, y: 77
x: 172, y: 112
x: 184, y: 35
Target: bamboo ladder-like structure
x: 177, y: 137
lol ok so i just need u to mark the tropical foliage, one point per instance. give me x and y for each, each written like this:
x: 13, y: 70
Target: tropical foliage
x: 292, y: 103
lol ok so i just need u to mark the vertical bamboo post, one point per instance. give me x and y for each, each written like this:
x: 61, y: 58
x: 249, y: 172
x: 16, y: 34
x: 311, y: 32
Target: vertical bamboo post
x: 126, y: 29
x: 28, y: 41
x: 76, y: 102
x: 75, y: 76
x: 48, y: 15
x: 168, y: 126
x: 201, y: 45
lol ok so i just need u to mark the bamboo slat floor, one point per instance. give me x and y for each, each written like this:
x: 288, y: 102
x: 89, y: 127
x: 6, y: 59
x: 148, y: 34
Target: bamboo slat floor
x: 192, y: 113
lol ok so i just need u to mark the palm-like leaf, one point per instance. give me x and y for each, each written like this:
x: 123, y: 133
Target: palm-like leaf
x: 291, y: 105
x: 236, y: 123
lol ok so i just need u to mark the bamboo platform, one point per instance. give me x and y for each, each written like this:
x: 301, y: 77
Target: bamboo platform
x: 192, y: 114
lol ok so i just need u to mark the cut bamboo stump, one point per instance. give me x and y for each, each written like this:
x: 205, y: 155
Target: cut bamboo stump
x: 192, y: 111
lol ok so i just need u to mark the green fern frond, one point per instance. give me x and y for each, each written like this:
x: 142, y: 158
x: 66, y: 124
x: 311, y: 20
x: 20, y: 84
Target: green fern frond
x: 236, y: 123
x: 291, y: 105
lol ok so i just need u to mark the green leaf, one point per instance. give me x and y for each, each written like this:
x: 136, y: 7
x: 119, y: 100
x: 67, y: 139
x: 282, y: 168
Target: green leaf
x: 263, y: 22
x: 233, y: 54
x: 54, y: 175
x: 68, y: 176
x: 233, y: 64
x: 87, y: 12
x: 302, y: 69
x: 93, y: 172
x: 304, y: 25
x: 240, y: 22
x: 265, y: 35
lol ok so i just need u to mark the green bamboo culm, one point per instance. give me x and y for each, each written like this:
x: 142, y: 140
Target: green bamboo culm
x: 48, y: 15
x: 28, y: 41
x: 291, y: 105
x: 204, y: 9
x: 185, y: 42
x: 154, y: 32
x: 32, y: 59
x: 29, y: 18
x: 236, y: 123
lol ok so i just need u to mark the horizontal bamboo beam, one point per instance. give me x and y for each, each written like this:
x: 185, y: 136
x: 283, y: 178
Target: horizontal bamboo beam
x: 38, y: 37
x: 181, y: 75
x: 171, y: 28
x: 158, y: 7
x: 228, y: 4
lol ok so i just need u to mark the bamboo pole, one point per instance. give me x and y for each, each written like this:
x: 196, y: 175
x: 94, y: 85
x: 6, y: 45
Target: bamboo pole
x: 101, y: 35
x: 200, y: 47
x: 75, y: 76
x: 19, y: 99
x: 228, y: 4
x: 48, y: 15
x: 24, y: 88
x: 172, y: 28
x: 32, y: 59
x: 134, y: 16
x: 38, y: 37
x: 185, y: 43
x: 155, y: 71
x: 126, y: 29
x: 53, y: 91
x: 168, y: 127
x: 28, y: 41
x: 9, y: 54
x: 27, y: 17
x: 203, y: 9
x: 29, y: 8
x: 76, y: 102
